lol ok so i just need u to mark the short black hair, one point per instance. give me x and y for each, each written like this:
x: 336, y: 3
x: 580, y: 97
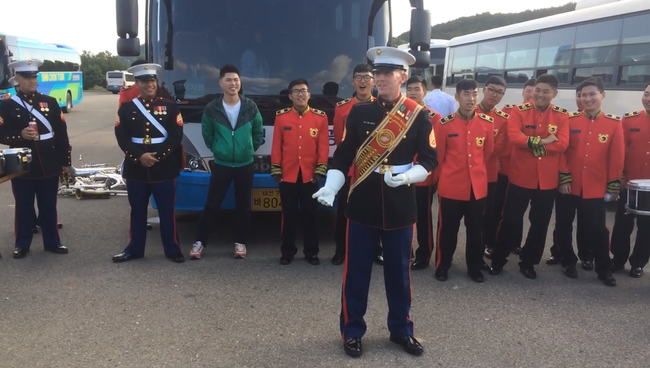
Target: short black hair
x: 496, y: 80
x: 138, y: 62
x: 549, y: 79
x: 436, y: 81
x: 593, y: 81
x: 417, y: 79
x: 579, y: 88
x: 296, y: 82
x: 228, y: 68
x: 362, y: 68
x: 530, y: 83
x: 466, y: 85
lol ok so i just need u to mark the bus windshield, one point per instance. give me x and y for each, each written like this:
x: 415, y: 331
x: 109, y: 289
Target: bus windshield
x: 271, y: 42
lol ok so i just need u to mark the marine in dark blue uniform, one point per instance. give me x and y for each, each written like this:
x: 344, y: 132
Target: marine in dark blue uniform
x: 47, y: 139
x: 149, y: 130
x: 381, y: 138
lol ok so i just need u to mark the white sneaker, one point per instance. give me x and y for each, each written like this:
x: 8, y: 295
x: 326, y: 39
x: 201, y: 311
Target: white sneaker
x: 197, y: 250
x: 240, y: 250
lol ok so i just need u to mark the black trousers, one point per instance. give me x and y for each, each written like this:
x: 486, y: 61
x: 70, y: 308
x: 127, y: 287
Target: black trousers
x: 510, y: 230
x: 450, y: 213
x: 424, y: 226
x: 493, y: 207
x: 592, y: 216
x: 220, y: 180
x: 298, y: 205
x: 623, y: 227
x: 341, y: 227
x: 585, y: 249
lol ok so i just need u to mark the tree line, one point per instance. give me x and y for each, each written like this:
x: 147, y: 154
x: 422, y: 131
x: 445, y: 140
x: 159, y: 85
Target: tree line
x: 95, y: 66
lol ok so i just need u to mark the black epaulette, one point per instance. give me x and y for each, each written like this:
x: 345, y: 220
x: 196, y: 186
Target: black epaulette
x: 613, y: 117
x: 574, y: 114
x: 501, y: 113
x: 283, y: 111
x: 633, y: 113
x: 509, y: 106
x: 447, y: 119
x: 341, y: 103
x: 486, y: 117
x: 524, y: 107
x: 318, y: 112
x: 431, y: 113
x: 561, y: 110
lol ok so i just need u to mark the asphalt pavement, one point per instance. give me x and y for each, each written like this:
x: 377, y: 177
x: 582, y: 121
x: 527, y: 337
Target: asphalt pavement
x: 81, y: 310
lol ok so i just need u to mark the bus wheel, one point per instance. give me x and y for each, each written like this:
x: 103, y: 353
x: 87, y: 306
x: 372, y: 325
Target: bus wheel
x: 68, y: 102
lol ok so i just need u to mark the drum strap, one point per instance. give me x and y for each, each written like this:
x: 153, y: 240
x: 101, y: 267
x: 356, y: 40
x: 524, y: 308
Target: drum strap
x: 34, y: 112
x: 150, y: 117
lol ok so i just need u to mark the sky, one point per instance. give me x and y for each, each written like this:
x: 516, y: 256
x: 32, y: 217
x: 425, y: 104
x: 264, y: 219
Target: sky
x: 94, y: 30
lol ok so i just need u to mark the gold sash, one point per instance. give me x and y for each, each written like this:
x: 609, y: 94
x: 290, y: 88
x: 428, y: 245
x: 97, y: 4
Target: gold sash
x: 385, y: 138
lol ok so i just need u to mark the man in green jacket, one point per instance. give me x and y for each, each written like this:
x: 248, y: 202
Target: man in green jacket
x: 232, y: 129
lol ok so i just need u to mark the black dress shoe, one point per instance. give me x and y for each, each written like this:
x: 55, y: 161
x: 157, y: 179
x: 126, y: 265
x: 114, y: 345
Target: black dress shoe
x: 607, y: 278
x: 338, y: 259
x: 177, y: 258
x: 285, y: 260
x: 494, y: 271
x: 379, y: 259
x: 441, y: 275
x: 59, y: 226
x: 553, y: 260
x: 313, y: 260
x: 476, y: 276
x: 353, y: 347
x: 59, y: 249
x: 570, y: 271
x: 419, y: 264
x: 636, y: 272
x: 488, y: 253
x: 588, y: 265
x: 123, y: 257
x: 20, y: 253
x: 408, y: 343
x: 528, y: 271
x: 485, y: 267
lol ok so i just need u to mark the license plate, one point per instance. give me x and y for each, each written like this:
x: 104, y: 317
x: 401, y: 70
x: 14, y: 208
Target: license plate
x: 266, y: 200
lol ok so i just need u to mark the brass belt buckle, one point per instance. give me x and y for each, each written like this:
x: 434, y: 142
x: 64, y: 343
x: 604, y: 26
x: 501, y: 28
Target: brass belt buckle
x: 384, y: 168
x: 147, y: 141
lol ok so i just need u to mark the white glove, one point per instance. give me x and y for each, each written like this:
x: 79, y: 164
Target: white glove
x: 416, y: 174
x: 611, y: 197
x: 333, y: 183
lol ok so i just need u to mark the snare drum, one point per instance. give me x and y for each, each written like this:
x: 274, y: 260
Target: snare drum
x: 16, y: 160
x: 638, y: 197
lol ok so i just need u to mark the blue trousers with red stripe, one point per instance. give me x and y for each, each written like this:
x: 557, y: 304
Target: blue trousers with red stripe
x: 165, y: 195
x: 360, y: 253
x: 45, y: 191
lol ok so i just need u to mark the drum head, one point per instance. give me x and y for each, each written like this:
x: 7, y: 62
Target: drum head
x: 639, y: 184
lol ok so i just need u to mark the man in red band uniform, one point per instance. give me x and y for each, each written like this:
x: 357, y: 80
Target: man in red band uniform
x: 636, y: 131
x: 590, y: 175
x: 130, y: 92
x: 585, y: 253
x: 539, y: 134
x: 465, y: 143
x: 149, y: 130
x: 495, y: 88
x: 503, y: 151
x: 363, y: 81
x: 298, y: 163
x: 382, y: 138
x: 416, y: 88
x: 50, y: 156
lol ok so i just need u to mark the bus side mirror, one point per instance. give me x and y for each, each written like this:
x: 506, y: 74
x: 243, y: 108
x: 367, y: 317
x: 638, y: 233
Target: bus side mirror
x: 126, y: 12
x: 420, y: 37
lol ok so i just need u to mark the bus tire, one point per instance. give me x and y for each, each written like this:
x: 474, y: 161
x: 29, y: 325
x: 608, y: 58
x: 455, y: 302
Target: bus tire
x: 68, y: 102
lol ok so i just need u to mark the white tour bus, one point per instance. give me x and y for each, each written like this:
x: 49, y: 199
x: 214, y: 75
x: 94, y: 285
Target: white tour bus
x: 610, y: 39
x: 118, y: 79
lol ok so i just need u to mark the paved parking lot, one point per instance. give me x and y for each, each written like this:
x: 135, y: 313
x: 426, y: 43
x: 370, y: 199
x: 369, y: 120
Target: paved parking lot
x: 81, y: 310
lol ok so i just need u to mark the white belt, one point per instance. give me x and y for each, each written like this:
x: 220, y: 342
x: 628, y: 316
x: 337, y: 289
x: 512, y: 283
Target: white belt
x: 395, y: 169
x: 153, y: 140
x: 44, y: 137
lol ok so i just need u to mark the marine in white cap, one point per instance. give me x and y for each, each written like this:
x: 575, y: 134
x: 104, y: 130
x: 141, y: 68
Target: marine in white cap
x: 382, y: 139
x: 149, y: 130
x: 33, y: 121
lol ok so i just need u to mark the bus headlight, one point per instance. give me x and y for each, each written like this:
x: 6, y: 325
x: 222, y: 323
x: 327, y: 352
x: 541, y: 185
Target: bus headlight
x: 194, y: 163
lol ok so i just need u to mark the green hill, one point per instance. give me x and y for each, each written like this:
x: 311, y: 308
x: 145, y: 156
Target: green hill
x: 485, y: 21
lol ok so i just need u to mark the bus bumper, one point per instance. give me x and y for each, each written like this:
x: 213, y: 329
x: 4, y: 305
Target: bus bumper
x: 192, y: 193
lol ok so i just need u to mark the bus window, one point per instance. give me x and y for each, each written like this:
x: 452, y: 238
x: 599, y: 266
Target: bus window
x: 555, y: 47
x: 522, y: 51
